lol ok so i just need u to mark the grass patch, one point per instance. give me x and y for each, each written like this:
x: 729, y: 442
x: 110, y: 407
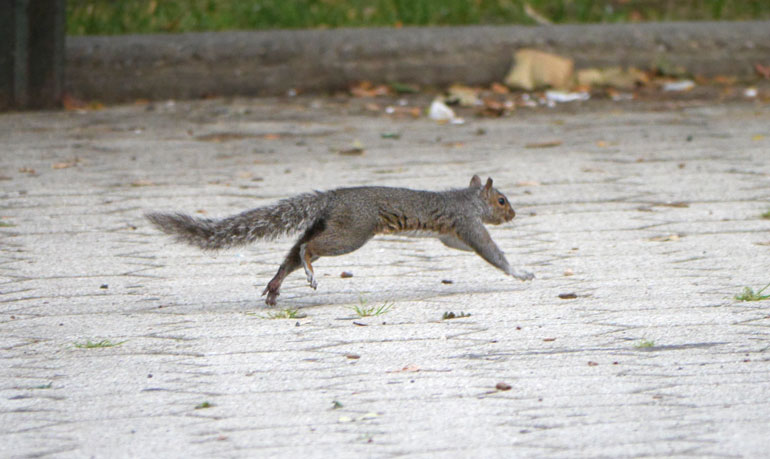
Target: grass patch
x: 748, y: 294
x: 451, y: 315
x: 44, y: 386
x: 203, y: 405
x: 97, y: 344
x: 110, y: 17
x: 362, y: 310
x: 282, y: 314
x: 645, y: 344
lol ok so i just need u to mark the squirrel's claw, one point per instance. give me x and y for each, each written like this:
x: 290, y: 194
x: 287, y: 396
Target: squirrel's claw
x: 523, y: 275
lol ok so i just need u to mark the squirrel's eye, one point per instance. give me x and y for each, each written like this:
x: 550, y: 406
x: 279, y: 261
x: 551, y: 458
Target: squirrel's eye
x: 501, y: 201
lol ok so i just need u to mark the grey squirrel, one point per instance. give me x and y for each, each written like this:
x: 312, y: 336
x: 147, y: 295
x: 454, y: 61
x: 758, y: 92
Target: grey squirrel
x: 342, y: 220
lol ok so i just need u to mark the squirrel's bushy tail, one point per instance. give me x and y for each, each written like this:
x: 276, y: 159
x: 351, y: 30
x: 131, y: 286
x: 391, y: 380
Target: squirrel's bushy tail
x: 285, y: 217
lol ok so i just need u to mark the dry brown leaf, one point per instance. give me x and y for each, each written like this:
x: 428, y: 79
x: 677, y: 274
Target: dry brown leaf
x: 536, y: 69
x: 498, y: 88
x: 546, y: 144
x: 666, y: 238
x: 367, y: 89
x: 763, y: 70
x: 464, y: 96
x: 502, y: 386
x: 411, y: 368
x: 65, y: 164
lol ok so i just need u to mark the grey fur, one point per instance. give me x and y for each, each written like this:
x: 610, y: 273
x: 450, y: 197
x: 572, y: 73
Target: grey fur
x: 340, y: 221
x: 285, y: 217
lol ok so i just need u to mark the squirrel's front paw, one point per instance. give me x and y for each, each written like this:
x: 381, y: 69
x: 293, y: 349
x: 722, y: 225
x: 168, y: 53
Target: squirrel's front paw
x: 522, y: 275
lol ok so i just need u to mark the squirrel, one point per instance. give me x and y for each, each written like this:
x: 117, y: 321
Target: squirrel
x: 339, y: 221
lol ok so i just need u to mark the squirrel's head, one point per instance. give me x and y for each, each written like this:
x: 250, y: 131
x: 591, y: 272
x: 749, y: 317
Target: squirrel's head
x: 498, y: 210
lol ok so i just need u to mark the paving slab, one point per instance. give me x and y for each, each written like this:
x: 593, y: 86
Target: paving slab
x: 650, y: 216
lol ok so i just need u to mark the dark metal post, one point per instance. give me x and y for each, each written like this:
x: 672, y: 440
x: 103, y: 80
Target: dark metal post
x: 32, y: 34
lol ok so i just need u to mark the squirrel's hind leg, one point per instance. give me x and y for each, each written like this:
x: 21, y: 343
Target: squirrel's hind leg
x: 290, y: 263
x: 305, y: 256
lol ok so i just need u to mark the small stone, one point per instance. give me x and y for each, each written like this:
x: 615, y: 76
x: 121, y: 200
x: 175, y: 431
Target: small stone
x: 503, y: 386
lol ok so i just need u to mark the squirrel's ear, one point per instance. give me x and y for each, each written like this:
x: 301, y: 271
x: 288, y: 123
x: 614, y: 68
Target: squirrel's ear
x: 488, y: 186
x: 475, y: 181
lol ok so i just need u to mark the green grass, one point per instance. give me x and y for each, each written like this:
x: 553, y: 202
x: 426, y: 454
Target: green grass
x: 6, y: 224
x: 203, y: 405
x: 362, y: 310
x: 748, y: 294
x: 97, y: 344
x: 109, y: 17
x: 282, y: 314
x: 645, y: 344
x: 451, y: 315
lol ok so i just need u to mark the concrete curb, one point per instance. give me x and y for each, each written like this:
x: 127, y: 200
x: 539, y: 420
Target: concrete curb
x: 194, y: 65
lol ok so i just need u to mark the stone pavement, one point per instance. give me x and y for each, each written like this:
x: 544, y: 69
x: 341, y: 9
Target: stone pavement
x: 651, y: 217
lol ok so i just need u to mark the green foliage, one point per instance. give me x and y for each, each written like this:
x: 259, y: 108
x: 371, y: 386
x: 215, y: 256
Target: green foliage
x: 748, y: 294
x: 109, y: 17
x: 362, y: 310
x: 645, y: 344
x: 451, y: 315
x: 203, y: 405
x: 97, y: 344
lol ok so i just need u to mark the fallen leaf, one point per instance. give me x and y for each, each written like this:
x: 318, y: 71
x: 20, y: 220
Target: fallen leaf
x: 666, y: 238
x: 615, y: 77
x: 502, y: 386
x: 725, y: 80
x: 462, y: 95
x: 411, y: 368
x: 679, y: 204
x: 403, y: 88
x: 548, y: 340
x: 353, y: 356
x: 498, y: 88
x: 536, y: 69
x: 546, y: 144
x: 493, y: 108
x: 367, y: 89
x: 222, y: 137
x: 763, y: 70
x: 65, y: 164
